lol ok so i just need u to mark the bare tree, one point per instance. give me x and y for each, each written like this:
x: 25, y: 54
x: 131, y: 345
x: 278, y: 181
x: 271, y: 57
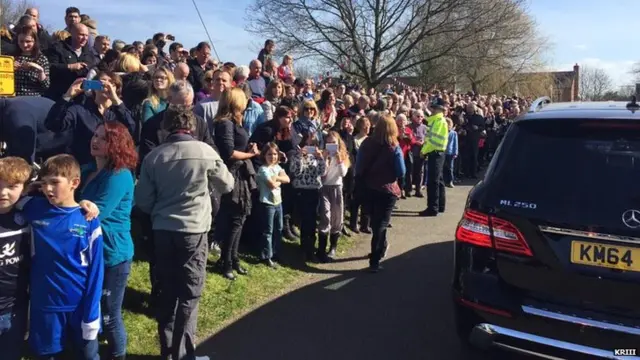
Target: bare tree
x: 594, y: 83
x: 303, y: 71
x: 513, y: 46
x: 373, y: 39
x: 12, y: 10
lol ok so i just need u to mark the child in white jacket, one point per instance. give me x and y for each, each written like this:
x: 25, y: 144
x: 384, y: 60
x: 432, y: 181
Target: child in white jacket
x: 331, y: 201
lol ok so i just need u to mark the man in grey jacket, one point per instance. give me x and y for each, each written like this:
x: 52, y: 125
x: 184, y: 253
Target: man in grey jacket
x: 173, y: 188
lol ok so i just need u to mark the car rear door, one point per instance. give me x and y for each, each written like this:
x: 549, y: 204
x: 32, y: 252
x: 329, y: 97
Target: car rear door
x: 572, y: 188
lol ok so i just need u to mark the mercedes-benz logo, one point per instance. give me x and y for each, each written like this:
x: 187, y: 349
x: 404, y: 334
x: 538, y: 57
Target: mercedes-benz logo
x: 631, y: 218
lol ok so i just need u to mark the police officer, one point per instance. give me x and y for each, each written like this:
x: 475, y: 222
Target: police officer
x: 433, y: 148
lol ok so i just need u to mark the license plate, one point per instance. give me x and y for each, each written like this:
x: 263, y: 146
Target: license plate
x: 605, y: 255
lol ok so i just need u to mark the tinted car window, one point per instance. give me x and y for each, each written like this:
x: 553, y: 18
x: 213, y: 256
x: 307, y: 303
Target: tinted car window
x: 577, y: 172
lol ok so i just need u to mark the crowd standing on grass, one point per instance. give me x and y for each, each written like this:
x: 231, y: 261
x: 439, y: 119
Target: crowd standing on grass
x: 205, y: 156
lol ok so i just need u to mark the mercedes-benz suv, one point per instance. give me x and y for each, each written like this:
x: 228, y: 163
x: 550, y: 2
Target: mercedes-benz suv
x: 547, y: 253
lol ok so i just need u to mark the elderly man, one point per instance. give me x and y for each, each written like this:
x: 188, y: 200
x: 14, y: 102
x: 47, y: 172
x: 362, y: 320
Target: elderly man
x: 174, y: 185
x: 69, y: 59
x: 181, y: 71
x: 180, y: 93
x: 256, y: 82
x: 152, y: 135
x: 101, y: 46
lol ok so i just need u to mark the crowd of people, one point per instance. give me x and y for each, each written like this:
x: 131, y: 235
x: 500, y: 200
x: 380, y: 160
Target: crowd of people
x: 205, y: 156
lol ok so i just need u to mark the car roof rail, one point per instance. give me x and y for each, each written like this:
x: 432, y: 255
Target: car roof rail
x: 538, y: 103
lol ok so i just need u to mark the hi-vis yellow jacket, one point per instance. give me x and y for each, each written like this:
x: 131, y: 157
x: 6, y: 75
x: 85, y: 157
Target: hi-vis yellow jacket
x: 437, y: 136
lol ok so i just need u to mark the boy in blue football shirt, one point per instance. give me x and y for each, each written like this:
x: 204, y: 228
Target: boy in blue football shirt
x: 15, y: 254
x: 67, y: 267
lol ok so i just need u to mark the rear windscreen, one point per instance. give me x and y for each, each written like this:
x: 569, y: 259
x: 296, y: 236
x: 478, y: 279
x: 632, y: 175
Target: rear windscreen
x: 571, y: 170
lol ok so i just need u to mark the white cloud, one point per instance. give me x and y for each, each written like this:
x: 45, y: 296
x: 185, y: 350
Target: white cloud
x: 619, y: 70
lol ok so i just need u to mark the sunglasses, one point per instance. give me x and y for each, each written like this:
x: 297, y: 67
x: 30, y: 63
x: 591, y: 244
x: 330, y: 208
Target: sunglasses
x: 309, y: 109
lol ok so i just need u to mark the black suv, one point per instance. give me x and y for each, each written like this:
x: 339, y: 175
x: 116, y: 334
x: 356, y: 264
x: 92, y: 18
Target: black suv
x: 547, y: 253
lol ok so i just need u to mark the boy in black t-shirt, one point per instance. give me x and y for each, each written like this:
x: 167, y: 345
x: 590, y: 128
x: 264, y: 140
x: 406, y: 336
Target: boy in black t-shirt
x: 15, y: 255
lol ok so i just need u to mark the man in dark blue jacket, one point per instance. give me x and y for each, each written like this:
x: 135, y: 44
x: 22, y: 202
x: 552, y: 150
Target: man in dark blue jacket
x: 69, y: 59
x: 22, y: 129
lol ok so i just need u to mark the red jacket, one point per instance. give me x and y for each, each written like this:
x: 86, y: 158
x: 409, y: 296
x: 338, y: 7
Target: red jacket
x: 407, y: 140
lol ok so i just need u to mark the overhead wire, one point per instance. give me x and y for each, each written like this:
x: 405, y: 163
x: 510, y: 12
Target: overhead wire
x: 213, y: 47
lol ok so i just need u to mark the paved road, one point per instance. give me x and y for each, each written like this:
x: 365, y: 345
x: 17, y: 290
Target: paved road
x: 344, y: 313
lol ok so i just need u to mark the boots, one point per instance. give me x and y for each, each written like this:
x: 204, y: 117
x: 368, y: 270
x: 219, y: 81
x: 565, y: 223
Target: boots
x: 322, y: 247
x: 333, y: 241
x: 227, y: 270
x: 308, y: 246
x: 239, y: 269
x: 286, y: 228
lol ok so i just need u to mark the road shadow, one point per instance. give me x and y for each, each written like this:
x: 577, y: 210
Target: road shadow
x: 403, y: 312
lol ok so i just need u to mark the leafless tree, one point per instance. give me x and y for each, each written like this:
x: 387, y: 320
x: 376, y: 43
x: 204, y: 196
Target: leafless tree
x: 12, y: 10
x: 303, y: 71
x: 373, y: 39
x: 594, y: 83
x: 511, y: 46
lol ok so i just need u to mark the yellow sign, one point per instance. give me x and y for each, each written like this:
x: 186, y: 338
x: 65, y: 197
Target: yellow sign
x: 7, y: 76
x: 605, y: 255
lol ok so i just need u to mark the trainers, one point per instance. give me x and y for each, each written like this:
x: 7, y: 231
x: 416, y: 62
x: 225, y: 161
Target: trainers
x: 450, y: 185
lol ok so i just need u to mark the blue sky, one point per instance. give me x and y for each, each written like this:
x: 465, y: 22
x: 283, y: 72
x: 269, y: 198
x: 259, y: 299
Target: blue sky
x: 588, y: 32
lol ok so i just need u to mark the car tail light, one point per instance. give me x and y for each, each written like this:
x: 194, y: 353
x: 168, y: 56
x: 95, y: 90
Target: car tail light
x: 476, y: 228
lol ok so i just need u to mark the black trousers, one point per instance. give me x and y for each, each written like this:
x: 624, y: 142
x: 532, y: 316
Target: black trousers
x: 382, y: 204
x: 435, y: 181
x: 470, y: 163
x: 408, y: 175
x: 360, y: 206
x: 307, y: 205
x: 418, y: 165
x: 288, y: 199
x: 231, y: 218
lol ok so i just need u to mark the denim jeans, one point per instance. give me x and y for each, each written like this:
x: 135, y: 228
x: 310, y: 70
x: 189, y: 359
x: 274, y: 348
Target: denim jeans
x: 114, y: 285
x: 12, y: 330
x: 271, y: 230
x: 448, y: 169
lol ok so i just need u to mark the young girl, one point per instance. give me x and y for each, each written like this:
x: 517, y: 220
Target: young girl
x: 331, y: 201
x: 270, y: 177
x: 307, y: 167
x: 285, y: 70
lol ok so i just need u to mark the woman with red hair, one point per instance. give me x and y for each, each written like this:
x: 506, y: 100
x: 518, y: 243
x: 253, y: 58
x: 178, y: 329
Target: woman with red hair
x: 108, y: 182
